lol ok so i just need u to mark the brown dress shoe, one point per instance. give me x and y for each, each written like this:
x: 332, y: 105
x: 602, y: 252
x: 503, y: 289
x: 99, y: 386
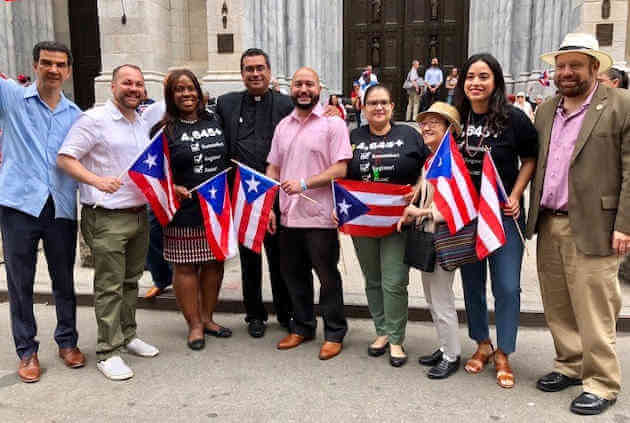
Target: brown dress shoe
x: 329, y: 350
x: 29, y: 370
x: 153, y: 292
x: 72, y: 357
x: 292, y: 340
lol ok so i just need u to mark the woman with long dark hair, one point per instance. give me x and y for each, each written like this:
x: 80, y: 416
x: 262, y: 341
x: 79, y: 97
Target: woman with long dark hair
x: 491, y: 124
x: 198, y: 151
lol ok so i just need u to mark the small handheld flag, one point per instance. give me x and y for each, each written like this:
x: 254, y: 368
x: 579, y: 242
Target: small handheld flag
x: 216, y: 209
x: 490, y: 231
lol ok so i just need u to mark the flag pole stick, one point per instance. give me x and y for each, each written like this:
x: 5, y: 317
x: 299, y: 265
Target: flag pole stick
x: 518, y: 228
x: 209, y: 179
x: 273, y: 180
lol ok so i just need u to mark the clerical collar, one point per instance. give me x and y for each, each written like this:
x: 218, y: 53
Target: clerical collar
x: 257, y: 98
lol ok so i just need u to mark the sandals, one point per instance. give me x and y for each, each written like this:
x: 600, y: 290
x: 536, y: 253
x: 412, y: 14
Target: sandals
x: 479, y: 359
x: 223, y: 332
x: 505, y: 375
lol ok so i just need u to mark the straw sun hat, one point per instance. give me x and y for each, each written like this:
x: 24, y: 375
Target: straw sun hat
x: 444, y: 110
x: 577, y: 42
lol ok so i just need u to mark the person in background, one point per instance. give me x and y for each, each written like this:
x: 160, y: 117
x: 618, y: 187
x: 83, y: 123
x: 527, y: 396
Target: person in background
x: 451, y: 83
x: 433, y: 79
x: 334, y: 101
x: 523, y: 104
x: 414, y: 91
x: 614, y: 78
x: 357, y: 102
x: 145, y: 103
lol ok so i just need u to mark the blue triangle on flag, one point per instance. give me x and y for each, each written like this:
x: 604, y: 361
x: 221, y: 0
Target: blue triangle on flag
x: 214, y: 192
x: 441, y: 164
x: 253, y: 184
x: 151, y: 161
x: 347, y: 206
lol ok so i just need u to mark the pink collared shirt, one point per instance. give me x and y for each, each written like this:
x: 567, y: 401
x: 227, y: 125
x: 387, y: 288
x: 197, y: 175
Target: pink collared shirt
x: 564, y: 134
x: 304, y: 148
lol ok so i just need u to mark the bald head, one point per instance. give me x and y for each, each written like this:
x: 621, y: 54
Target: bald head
x: 305, y: 88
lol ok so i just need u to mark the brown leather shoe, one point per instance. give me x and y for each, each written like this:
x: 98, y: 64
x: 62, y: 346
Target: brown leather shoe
x: 329, y: 350
x: 72, y: 357
x: 292, y: 340
x: 153, y: 292
x: 29, y: 370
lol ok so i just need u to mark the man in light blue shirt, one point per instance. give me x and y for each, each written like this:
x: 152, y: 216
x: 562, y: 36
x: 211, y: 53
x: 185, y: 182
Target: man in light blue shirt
x: 38, y: 202
x: 433, y: 79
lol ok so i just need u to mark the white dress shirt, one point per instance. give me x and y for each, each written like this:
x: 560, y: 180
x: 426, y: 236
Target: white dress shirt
x: 106, y: 143
x: 154, y: 113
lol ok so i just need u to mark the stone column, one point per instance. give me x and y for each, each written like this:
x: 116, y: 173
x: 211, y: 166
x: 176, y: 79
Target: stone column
x: 224, y: 70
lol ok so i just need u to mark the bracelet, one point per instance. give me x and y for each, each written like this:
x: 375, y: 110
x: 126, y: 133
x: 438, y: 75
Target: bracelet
x: 303, y: 184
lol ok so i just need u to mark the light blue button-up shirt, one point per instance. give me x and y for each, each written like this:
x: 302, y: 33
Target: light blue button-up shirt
x: 32, y: 135
x: 433, y: 76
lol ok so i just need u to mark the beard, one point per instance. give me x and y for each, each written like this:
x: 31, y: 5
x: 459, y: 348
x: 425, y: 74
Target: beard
x: 581, y: 87
x: 307, y: 106
x: 129, y: 103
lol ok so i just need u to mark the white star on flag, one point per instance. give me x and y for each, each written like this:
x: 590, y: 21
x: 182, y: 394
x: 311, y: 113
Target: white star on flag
x: 399, y: 143
x: 150, y: 161
x: 213, y: 193
x: 343, y: 207
x: 252, y: 184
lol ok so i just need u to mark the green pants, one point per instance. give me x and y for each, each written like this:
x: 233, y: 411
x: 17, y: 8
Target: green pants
x: 119, y: 242
x: 386, y: 280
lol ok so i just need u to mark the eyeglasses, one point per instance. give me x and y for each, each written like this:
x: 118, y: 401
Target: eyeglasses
x: 374, y: 103
x: 430, y: 123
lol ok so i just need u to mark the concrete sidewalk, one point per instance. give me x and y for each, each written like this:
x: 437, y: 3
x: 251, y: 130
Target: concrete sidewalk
x: 242, y: 379
x: 353, y: 285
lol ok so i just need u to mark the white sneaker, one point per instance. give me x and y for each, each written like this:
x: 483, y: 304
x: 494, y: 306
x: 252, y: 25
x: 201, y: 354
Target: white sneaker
x: 138, y: 347
x: 114, y: 368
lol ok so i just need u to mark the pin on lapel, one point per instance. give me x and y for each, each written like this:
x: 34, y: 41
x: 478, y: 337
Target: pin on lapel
x: 599, y: 107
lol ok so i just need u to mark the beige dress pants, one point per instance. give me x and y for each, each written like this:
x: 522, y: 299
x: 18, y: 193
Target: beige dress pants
x: 582, y: 300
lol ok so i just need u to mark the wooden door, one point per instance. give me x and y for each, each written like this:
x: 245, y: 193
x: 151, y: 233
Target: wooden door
x: 86, y: 49
x: 389, y: 34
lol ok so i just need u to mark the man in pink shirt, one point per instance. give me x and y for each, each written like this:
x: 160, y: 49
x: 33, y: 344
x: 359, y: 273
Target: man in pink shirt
x: 578, y: 207
x: 308, y: 151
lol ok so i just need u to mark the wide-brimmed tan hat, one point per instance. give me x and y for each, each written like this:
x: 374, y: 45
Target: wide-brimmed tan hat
x: 445, y: 111
x: 577, y: 42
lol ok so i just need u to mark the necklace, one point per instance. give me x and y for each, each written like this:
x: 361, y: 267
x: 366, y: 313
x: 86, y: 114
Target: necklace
x: 189, y: 122
x: 483, y: 136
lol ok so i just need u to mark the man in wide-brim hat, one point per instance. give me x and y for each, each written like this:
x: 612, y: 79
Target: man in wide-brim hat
x: 581, y: 183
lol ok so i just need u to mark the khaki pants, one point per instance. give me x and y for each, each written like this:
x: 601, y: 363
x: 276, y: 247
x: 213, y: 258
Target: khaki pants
x: 582, y: 300
x: 413, y: 104
x: 119, y: 242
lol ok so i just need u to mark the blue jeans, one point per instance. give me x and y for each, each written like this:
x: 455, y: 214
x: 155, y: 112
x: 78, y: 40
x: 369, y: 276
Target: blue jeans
x: 505, y: 274
x: 161, y: 271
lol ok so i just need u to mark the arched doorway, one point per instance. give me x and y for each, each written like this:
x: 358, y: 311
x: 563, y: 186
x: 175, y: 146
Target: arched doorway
x: 86, y: 49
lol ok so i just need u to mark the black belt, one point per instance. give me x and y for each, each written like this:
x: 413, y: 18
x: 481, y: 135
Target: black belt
x: 555, y: 212
x: 134, y: 210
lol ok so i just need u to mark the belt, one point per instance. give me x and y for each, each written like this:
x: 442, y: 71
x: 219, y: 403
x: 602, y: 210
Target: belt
x: 133, y: 210
x: 555, y: 212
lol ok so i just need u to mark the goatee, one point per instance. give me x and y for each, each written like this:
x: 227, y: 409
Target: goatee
x: 307, y: 106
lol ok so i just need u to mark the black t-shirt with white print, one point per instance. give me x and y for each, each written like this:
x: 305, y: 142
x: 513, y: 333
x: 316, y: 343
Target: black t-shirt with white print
x: 518, y: 140
x: 396, y: 157
x: 198, y: 152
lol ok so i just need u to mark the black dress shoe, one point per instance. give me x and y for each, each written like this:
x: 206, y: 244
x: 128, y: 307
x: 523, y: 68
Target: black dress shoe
x: 554, y: 382
x: 590, y: 404
x: 221, y: 333
x: 431, y: 360
x: 197, y: 344
x: 377, y: 352
x: 443, y: 369
x: 256, y: 328
x: 397, y: 361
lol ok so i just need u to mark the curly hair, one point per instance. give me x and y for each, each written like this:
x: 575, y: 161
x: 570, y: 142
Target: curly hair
x: 498, y: 106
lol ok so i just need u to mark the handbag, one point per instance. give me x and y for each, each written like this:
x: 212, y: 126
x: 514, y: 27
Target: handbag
x: 453, y: 251
x: 419, y: 245
x: 420, y: 249
x: 407, y: 84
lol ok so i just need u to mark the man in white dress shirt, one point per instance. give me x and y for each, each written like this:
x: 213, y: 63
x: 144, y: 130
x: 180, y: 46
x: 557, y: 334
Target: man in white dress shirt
x: 96, y: 152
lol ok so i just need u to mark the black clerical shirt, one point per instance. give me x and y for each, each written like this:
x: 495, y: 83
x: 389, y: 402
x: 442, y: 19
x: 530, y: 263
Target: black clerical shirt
x: 255, y: 131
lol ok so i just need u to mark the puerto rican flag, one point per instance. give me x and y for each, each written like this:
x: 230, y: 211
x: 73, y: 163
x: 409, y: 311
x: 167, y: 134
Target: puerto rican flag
x: 214, y: 199
x: 455, y: 195
x: 369, y: 209
x: 151, y: 172
x: 490, y: 232
x: 544, y: 79
x: 253, y: 196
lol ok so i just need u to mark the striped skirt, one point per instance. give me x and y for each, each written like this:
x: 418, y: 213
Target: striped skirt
x: 186, y: 245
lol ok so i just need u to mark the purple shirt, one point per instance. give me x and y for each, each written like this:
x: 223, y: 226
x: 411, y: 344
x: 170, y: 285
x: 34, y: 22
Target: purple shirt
x: 564, y: 134
x: 304, y: 148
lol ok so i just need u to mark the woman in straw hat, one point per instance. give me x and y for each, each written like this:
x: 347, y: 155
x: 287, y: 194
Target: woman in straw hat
x: 438, y: 285
x: 386, y: 153
x: 490, y: 124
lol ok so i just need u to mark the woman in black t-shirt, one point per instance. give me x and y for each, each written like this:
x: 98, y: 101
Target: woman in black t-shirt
x: 198, y: 151
x: 387, y: 153
x: 491, y: 123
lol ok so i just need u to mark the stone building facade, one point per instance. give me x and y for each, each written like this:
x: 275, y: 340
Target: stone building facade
x: 159, y: 34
